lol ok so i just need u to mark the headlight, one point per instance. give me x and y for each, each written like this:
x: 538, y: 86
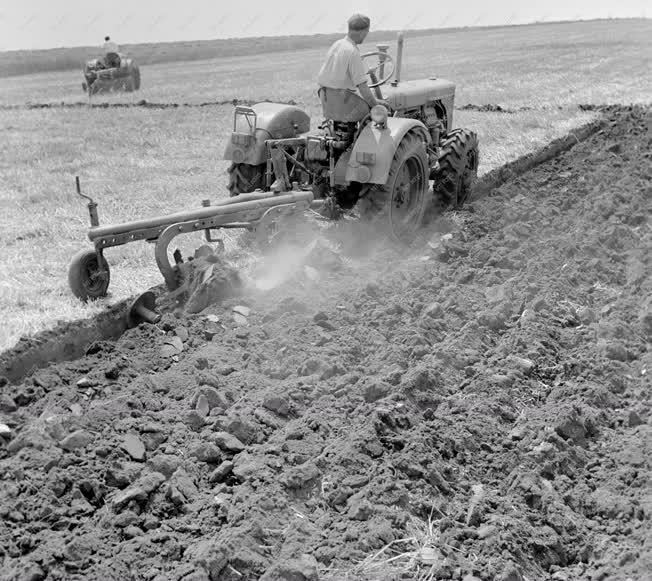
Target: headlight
x: 379, y: 115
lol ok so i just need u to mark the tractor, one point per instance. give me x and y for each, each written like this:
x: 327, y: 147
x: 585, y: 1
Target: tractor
x: 378, y: 160
x: 103, y: 77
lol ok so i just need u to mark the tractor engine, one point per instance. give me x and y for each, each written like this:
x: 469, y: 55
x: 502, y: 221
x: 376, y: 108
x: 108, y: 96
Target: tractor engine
x: 433, y: 115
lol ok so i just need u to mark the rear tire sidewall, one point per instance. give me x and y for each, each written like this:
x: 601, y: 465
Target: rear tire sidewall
x: 418, y: 194
x: 377, y: 205
x: 129, y: 84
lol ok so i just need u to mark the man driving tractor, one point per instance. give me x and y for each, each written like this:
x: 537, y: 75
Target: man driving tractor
x: 111, y: 58
x: 375, y: 151
x: 343, y: 71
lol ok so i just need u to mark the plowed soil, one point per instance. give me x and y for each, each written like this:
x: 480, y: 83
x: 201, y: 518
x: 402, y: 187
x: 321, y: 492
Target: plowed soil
x: 475, y: 407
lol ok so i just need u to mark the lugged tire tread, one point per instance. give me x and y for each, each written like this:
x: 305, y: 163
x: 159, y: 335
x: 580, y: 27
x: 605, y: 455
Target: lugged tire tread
x: 453, y: 160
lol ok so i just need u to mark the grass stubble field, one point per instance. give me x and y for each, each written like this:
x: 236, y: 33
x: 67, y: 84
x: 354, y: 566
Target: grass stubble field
x: 139, y: 162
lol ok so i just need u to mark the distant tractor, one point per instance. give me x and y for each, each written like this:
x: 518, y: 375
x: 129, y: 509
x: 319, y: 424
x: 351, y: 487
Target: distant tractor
x: 100, y: 78
x: 380, y: 160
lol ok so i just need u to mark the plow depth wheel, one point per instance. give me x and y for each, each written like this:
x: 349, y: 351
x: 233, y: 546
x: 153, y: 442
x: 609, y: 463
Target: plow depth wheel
x: 401, y: 203
x: 88, y: 278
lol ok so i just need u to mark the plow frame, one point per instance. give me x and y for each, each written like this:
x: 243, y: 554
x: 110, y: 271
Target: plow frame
x: 258, y: 212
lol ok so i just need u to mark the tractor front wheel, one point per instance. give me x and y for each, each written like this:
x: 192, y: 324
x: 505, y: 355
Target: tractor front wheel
x: 400, y: 204
x: 88, y: 276
x: 245, y: 178
x: 458, y: 167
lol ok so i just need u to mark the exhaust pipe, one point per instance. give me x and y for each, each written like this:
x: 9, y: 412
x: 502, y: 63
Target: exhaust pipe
x: 399, y: 59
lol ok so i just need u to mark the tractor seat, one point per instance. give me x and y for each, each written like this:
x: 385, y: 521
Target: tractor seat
x: 342, y: 105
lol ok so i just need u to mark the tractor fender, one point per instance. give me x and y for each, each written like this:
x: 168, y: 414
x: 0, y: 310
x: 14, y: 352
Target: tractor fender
x: 253, y: 153
x: 273, y: 121
x: 373, y: 151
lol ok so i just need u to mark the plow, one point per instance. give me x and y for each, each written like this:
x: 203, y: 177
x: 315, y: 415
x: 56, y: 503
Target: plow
x: 379, y: 162
x: 89, y: 272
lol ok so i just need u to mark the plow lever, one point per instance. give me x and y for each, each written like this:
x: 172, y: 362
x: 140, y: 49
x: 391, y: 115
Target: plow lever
x: 92, y: 206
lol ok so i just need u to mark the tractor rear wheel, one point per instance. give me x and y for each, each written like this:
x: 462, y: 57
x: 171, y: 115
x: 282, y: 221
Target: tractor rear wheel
x: 458, y: 167
x: 136, y: 77
x: 245, y: 178
x: 88, y: 277
x: 400, y: 204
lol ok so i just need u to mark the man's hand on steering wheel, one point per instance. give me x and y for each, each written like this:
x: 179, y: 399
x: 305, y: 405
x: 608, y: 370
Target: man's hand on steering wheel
x: 388, y: 66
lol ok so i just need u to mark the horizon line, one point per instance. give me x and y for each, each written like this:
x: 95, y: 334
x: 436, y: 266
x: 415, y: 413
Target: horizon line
x: 316, y: 34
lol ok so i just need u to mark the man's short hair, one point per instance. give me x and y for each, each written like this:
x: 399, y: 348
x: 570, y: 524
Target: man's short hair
x: 107, y: 38
x: 359, y: 22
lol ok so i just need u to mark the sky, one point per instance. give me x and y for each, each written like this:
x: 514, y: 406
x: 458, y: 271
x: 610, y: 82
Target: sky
x: 33, y: 24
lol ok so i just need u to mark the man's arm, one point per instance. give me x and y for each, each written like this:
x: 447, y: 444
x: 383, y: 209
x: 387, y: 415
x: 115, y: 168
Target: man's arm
x: 367, y: 95
x: 358, y: 75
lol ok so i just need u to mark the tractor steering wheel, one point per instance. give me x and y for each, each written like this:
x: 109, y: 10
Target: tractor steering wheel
x: 386, y: 60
